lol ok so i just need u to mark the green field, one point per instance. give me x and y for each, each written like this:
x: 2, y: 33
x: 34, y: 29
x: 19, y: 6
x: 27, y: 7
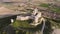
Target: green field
x: 52, y: 8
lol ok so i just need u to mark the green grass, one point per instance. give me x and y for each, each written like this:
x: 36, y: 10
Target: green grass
x: 44, y: 5
x: 56, y: 9
x: 24, y: 24
x: 54, y: 23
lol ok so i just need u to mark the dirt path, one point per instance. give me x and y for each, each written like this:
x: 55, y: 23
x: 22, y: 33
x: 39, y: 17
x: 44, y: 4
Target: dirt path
x: 56, y: 31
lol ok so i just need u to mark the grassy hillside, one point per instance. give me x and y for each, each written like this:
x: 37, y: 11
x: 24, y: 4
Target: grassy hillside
x: 51, y: 7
